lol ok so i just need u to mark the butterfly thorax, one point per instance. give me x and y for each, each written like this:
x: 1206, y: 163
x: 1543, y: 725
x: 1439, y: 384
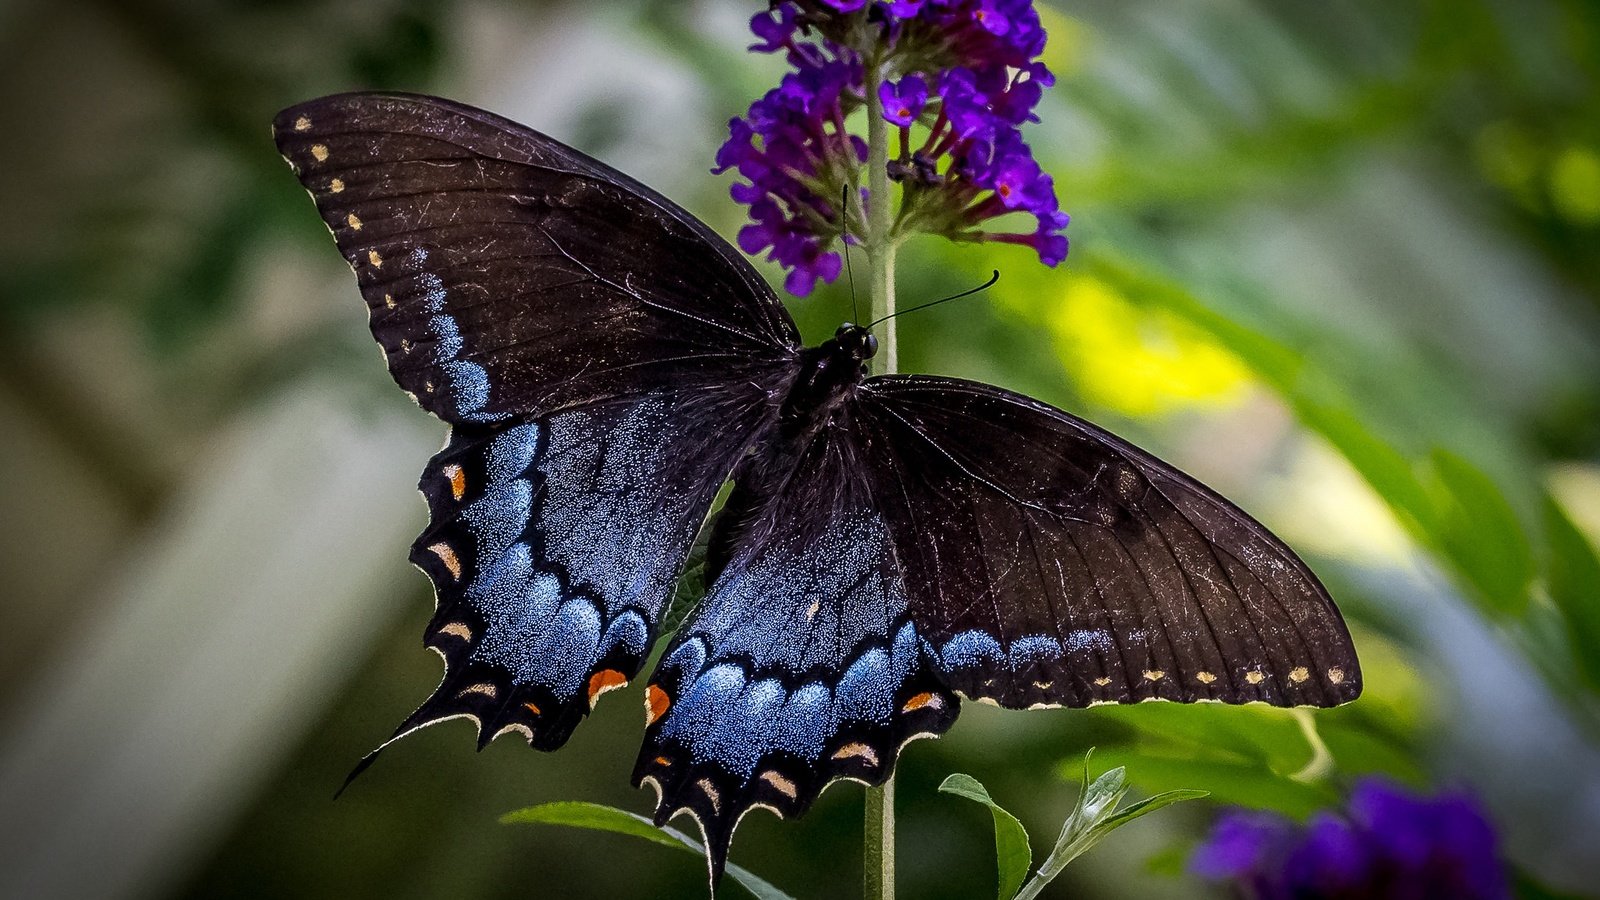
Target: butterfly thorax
x: 828, y: 375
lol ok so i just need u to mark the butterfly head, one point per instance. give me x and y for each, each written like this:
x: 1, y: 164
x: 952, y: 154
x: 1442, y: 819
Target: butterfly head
x: 856, y: 340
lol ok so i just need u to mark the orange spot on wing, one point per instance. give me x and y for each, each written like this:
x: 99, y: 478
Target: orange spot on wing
x: 663, y: 761
x: 604, y: 680
x: 458, y: 480
x: 531, y: 707
x: 919, y: 701
x: 656, y: 702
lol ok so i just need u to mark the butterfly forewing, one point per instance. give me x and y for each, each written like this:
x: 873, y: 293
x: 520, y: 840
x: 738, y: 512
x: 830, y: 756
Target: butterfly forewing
x: 602, y: 357
x: 508, y: 275
x: 1049, y: 562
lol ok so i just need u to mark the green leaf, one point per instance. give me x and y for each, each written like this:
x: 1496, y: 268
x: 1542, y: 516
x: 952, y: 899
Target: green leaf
x: 596, y: 817
x: 593, y: 816
x: 1146, y: 806
x: 1572, y: 579
x: 1481, y: 534
x: 1101, y: 794
x: 1244, y: 784
x: 1013, y: 856
x: 1261, y: 735
x: 1095, y: 816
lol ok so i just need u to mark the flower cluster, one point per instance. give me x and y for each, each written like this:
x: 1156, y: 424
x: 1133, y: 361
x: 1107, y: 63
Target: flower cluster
x: 955, y: 78
x: 1387, y: 843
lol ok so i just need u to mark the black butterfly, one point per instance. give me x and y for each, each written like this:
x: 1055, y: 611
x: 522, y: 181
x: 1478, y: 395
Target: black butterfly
x: 605, y: 361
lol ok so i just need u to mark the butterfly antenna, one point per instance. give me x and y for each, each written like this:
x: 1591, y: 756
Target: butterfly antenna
x: 844, y: 236
x: 966, y: 293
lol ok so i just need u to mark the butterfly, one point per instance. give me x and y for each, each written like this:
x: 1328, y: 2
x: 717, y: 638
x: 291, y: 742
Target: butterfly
x: 890, y: 544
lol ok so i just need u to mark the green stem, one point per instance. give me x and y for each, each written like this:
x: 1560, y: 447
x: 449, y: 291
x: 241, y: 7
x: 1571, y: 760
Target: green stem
x: 878, y: 834
x: 878, y: 843
x: 880, y: 239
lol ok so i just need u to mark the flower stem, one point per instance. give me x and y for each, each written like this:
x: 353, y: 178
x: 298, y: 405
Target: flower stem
x: 878, y: 833
x: 880, y: 239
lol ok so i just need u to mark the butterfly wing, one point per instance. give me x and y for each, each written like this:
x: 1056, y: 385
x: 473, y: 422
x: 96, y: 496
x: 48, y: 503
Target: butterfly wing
x: 508, y: 275
x: 1051, y: 563
x: 604, y: 360
x: 801, y: 666
x: 553, y: 547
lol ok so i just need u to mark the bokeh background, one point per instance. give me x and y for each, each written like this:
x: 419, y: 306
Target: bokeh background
x: 1340, y: 260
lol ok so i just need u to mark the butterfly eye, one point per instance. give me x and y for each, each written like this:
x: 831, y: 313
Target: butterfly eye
x: 872, y: 345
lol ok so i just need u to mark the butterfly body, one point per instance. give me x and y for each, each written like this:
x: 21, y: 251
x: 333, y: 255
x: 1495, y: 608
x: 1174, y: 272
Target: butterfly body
x: 891, y: 544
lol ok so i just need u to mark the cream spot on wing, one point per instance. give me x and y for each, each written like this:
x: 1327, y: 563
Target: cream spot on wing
x: 1204, y: 677
x: 447, y: 555
x: 1043, y: 685
x: 1299, y: 674
x: 375, y: 259
x: 388, y: 300
x: 405, y: 345
x: 336, y: 185
x: 319, y: 152
x: 482, y: 687
x: 353, y: 221
x: 457, y: 629
x: 518, y: 727
x: 1102, y: 681
x: 302, y: 124
x: 783, y: 785
x: 710, y: 790
x: 852, y: 751
x: 1336, y: 675
x: 1154, y: 674
x: 1254, y: 677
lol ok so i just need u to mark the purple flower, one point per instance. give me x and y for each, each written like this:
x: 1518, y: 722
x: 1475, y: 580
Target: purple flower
x: 903, y: 102
x: 775, y: 28
x: 993, y: 20
x: 960, y: 158
x: 1240, y: 843
x: 1388, y: 843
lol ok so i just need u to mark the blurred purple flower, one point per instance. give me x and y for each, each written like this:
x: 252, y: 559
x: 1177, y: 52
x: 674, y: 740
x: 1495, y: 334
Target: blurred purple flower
x: 962, y: 74
x: 1388, y: 843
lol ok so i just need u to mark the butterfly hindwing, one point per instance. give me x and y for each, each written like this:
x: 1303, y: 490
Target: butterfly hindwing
x: 801, y: 666
x: 1051, y: 563
x: 509, y: 276
x: 553, y: 547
